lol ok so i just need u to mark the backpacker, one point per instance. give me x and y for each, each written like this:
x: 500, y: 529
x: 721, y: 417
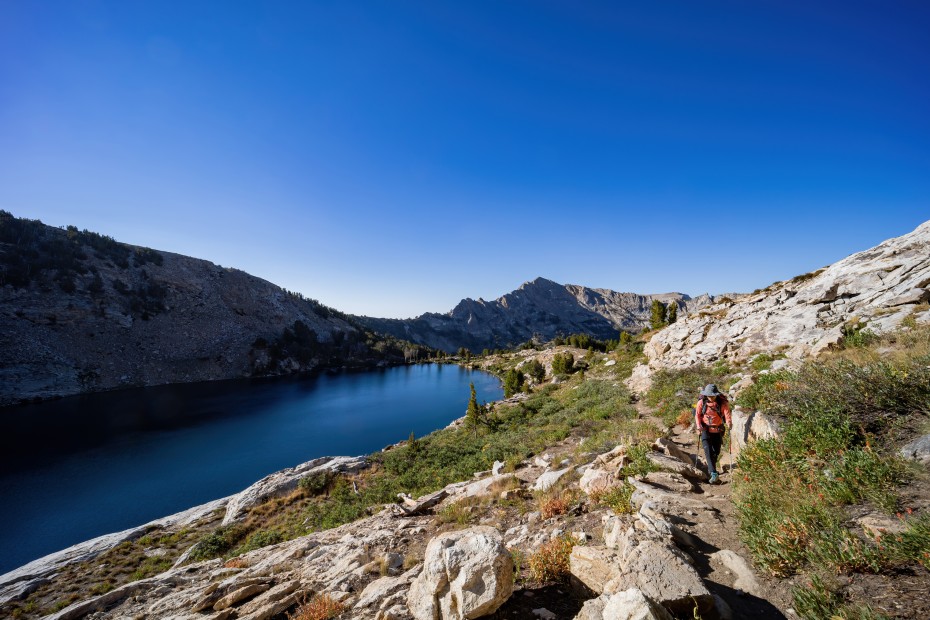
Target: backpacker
x: 707, y: 411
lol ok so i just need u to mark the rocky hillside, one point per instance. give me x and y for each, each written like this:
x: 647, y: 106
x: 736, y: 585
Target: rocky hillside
x: 82, y: 312
x: 874, y: 290
x: 540, y: 308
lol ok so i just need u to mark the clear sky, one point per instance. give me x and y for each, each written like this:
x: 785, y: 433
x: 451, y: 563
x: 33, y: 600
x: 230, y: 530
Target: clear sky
x: 390, y: 158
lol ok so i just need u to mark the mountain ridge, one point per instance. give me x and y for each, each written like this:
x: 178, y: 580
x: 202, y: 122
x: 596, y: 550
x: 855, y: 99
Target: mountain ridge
x: 539, y: 308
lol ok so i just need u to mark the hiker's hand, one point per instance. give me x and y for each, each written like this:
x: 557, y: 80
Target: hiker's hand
x: 729, y: 426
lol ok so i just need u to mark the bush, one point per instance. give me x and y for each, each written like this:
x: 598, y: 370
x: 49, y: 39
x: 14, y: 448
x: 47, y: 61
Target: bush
x: 563, y: 363
x: 535, y: 370
x: 320, y: 607
x: 551, y: 561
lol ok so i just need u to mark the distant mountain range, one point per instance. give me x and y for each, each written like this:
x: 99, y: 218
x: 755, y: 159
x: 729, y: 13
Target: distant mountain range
x: 540, y: 308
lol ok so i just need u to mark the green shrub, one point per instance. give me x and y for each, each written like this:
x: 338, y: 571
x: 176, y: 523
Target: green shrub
x: 259, y: 539
x: 317, y: 482
x: 563, y: 363
x: 763, y: 361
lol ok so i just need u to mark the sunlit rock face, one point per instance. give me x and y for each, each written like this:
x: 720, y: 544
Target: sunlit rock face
x: 877, y: 289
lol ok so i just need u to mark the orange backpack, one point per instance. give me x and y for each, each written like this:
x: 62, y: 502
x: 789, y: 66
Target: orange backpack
x: 708, y: 413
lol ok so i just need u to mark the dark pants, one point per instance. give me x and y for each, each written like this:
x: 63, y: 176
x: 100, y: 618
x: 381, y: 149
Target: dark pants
x: 712, y: 443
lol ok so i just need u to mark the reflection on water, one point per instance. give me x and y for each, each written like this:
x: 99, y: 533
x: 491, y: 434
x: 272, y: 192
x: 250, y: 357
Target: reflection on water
x: 80, y: 467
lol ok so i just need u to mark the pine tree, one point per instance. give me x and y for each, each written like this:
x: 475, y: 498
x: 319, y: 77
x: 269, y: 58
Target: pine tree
x: 658, y: 315
x: 672, y: 313
x: 473, y: 414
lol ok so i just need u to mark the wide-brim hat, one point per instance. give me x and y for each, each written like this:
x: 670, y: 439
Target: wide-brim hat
x: 710, y: 390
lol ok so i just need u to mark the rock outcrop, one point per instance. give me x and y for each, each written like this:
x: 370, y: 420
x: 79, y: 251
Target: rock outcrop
x: 466, y: 574
x: 538, y: 308
x: 876, y: 289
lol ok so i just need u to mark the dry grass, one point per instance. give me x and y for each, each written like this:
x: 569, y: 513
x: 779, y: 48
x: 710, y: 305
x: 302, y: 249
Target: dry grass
x: 320, y: 607
x: 552, y: 507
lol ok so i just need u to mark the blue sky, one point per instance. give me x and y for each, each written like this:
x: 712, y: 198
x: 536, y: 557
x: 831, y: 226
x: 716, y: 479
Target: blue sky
x: 389, y: 158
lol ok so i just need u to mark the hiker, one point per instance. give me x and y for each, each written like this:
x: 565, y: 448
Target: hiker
x: 711, y: 413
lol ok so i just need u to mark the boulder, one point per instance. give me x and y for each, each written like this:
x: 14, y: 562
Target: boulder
x: 664, y: 575
x: 630, y: 604
x: 674, y: 465
x: 670, y: 482
x: 596, y: 480
x: 917, y: 450
x: 594, y: 566
x: 745, y: 578
x: 466, y: 574
x: 548, y: 479
x: 670, y: 448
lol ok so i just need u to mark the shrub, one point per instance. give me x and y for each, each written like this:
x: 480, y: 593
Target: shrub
x: 675, y: 390
x: 553, y: 506
x: 320, y: 607
x: 563, y: 363
x: 317, y: 482
x: 259, y: 539
x: 535, y: 370
x: 551, y: 561
x: 618, y: 498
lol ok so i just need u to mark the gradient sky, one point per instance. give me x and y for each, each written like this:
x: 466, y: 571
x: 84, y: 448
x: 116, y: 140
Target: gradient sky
x: 390, y: 158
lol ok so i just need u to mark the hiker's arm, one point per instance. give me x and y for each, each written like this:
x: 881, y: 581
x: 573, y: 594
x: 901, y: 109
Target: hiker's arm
x: 697, y: 417
x: 726, y: 413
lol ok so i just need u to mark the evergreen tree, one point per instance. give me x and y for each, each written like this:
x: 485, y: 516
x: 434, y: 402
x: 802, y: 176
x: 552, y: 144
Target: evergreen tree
x: 658, y: 314
x: 513, y: 382
x: 625, y: 338
x: 672, y: 313
x: 473, y: 414
x: 536, y: 370
x: 563, y: 364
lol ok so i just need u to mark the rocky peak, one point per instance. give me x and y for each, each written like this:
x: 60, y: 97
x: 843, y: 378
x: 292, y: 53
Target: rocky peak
x: 538, y: 308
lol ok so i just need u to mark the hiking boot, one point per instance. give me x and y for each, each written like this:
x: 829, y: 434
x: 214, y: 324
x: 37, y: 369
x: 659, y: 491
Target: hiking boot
x: 714, y: 478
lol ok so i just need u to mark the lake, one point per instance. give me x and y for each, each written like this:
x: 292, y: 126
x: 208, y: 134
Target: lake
x: 79, y: 467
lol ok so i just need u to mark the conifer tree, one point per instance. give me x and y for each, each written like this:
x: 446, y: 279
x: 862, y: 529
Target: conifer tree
x: 672, y: 313
x: 473, y: 414
x: 658, y: 314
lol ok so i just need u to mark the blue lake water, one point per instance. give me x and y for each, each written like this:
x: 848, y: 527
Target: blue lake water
x: 80, y: 467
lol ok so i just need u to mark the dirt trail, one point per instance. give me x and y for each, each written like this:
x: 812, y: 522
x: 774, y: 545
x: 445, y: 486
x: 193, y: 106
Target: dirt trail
x: 770, y: 598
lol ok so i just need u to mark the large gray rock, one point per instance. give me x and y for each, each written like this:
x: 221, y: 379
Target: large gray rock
x: 630, y: 604
x: 466, y: 574
x: 594, y: 566
x: 752, y: 426
x: 674, y: 465
x: 664, y: 575
x: 918, y: 450
x: 745, y: 577
x: 548, y: 479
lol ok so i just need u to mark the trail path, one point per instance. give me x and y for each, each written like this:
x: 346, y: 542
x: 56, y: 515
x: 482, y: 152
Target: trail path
x: 721, y: 559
